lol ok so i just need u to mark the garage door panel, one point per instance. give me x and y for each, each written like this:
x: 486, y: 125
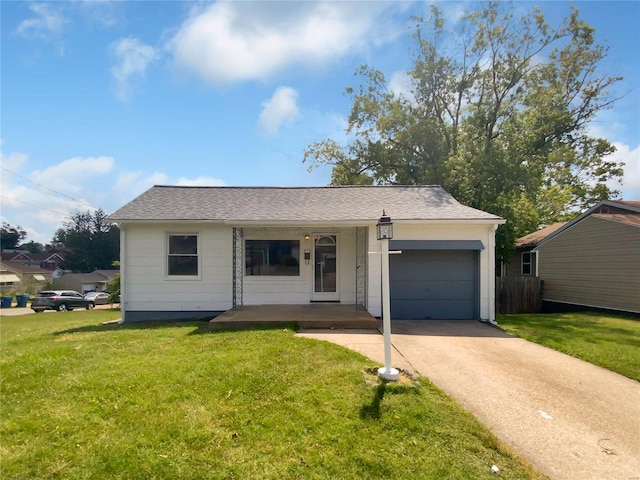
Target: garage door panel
x: 438, y: 284
x: 437, y: 309
x: 432, y: 290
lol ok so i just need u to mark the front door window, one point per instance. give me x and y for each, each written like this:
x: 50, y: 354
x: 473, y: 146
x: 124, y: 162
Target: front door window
x: 326, y: 268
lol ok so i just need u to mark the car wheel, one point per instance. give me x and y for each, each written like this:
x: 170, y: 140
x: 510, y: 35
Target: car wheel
x: 62, y: 307
x: 90, y: 306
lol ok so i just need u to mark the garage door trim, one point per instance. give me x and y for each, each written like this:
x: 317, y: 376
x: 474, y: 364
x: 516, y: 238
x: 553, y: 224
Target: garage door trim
x: 436, y: 245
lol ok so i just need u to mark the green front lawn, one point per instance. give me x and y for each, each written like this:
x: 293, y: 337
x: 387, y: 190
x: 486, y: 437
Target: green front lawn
x: 612, y: 342
x: 162, y: 401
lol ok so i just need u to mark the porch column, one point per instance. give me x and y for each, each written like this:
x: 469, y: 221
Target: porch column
x: 238, y: 267
x: 361, y: 267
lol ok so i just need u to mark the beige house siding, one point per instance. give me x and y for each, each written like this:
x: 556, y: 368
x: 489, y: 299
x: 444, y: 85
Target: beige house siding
x: 513, y: 268
x: 595, y: 263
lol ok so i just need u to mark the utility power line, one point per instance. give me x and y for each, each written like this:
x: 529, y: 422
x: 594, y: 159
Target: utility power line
x: 50, y: 189
x: 66, y: 215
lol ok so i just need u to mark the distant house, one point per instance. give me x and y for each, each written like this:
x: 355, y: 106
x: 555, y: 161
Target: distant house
x: 15, y: 276
x: 195, y: 252
x: 593, y: 260
x: 86, y: 282
x: 49, y: 260
x: 523, y: 261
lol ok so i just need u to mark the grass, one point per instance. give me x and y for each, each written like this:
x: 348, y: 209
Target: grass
x: 161, y: 401
x: 612, y: 342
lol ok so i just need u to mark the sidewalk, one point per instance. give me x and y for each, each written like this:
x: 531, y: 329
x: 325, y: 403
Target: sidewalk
x: 13, y: 311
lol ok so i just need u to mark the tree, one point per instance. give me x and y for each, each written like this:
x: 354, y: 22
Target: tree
x: 92, y: 243
x: 32, y: 247
x: 113, y: 287
x: 11, y: 236
x: 498, y: 115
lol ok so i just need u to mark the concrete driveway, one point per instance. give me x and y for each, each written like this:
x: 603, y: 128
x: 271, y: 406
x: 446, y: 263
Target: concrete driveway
x: 570, y: 419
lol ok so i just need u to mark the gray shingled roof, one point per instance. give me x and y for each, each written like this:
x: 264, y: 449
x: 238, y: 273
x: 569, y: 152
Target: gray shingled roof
x: 297, y: 204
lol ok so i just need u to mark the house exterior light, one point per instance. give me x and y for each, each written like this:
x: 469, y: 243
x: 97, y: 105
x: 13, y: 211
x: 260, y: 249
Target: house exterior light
x: 384, y: 227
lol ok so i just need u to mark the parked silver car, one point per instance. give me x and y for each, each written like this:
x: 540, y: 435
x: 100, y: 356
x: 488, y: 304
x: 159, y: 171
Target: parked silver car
x: 60, y: 300
x: 98, y: 298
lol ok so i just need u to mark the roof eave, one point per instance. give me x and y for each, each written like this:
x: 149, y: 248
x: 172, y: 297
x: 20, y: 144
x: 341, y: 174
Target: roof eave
x: 329, y: 222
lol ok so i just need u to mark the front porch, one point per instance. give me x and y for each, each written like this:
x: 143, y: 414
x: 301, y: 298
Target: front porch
x: 314, y: 315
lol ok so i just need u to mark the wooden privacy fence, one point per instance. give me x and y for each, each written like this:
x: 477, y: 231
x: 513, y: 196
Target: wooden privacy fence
x: 518, y: 295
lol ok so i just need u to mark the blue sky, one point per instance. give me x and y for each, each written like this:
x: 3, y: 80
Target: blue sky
x: 102, y: 99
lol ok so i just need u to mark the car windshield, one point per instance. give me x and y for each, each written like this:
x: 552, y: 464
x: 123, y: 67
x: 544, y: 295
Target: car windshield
x: 91, y: 294
x: 47, y: 294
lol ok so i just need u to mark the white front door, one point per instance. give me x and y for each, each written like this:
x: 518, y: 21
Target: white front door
x: 325, y: 267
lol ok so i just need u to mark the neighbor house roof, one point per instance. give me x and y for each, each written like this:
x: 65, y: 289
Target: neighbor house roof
x: 22, y: 268
x: 613, y: 210
x: 532, y: 239
x: 296, y: 204
x: 93, y: 277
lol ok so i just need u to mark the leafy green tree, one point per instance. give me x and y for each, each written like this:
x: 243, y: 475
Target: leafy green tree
x: 32, y: 247
x: 10, y: 236
x: 497, y: 114
x: 113, y: 287
x: 92, y: 242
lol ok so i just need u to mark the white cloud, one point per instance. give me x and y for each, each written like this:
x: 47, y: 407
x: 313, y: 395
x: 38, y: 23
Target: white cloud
x: 200, y: 182
x: 130, y: 184
x: 103, y: 12
x: 237, y: 41
x: 400, y: 85
x: 13, y: 162
x: 47, y: 23
x: 132, y: 59
x: 69, y: 175
x: 631, y: 181
x: 41, y: 200
x: 280, y: 109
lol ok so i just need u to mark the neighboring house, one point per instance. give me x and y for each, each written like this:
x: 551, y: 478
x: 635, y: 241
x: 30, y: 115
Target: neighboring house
x: 86, y: 282
x: 523, y: 261
x: 49, y: 260
x: 594, y: 260
x: 194, y: 252
x: 15, y: 276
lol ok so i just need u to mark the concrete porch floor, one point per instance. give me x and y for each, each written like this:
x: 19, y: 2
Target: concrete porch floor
x: 313, y: 315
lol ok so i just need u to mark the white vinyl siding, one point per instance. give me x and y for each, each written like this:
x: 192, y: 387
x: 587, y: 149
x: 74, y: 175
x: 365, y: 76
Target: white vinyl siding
x: 148, y: 288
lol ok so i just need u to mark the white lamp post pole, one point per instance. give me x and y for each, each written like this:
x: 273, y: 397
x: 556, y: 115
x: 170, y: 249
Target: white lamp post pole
x: 387, y: 372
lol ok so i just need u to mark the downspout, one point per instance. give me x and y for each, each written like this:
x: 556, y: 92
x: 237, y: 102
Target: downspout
x: 491, y: 271
x: 123, y: 263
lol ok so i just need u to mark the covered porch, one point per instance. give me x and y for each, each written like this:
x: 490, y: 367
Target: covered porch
x: 313, y: 315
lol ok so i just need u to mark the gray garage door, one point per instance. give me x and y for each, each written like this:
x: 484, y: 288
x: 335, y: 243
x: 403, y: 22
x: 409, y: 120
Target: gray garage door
x: 434, y: 284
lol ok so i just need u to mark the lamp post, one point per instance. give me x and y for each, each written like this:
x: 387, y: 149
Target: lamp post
x: 384, y: 230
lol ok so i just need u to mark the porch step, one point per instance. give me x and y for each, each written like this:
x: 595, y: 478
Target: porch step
x: 301, y: 324
x: 325, y: 316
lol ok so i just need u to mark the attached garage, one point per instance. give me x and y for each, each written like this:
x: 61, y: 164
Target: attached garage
x: 435, y: 280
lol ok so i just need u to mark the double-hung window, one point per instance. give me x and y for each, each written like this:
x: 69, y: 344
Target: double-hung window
x: 526, y: 263
x: 182, y: 258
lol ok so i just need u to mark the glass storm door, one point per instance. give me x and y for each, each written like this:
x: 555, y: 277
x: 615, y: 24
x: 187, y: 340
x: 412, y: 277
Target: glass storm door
x: 325, y: 271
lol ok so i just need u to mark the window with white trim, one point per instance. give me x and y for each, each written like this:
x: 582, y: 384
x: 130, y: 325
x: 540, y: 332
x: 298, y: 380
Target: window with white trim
x: 526, y: 263
x: 182, y: 255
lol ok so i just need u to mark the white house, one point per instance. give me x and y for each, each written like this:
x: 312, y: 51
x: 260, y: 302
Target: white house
x: 194, y: 252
